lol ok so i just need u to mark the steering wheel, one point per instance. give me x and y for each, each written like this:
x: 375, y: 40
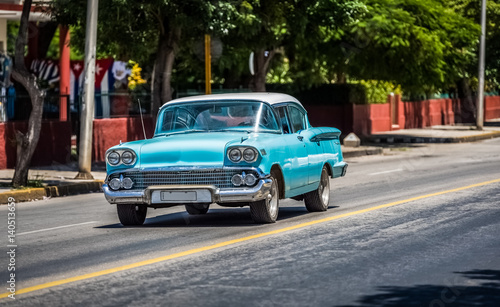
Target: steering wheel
x: 181, y: 123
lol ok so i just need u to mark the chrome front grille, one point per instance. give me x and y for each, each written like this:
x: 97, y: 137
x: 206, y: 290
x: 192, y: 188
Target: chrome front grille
x: 218, y: 177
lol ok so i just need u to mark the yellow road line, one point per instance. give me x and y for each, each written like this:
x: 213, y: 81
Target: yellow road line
x: 231, y: 242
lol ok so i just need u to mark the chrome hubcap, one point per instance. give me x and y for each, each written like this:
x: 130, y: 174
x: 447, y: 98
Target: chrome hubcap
x: 324, y: 188
x: 273, y: 200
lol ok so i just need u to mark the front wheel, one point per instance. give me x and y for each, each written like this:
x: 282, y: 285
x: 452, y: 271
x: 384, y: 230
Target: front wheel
x: 131, y: 215
x: 318, y: 199
x: 197, y: 209
x: 266, y: 210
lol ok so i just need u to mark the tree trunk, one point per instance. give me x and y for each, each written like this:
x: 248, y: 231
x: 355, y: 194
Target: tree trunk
x: 26, y: 143
x: 262, y: 58
x: 164, y: 63
x: 46, y: 31
x: 467, y: 105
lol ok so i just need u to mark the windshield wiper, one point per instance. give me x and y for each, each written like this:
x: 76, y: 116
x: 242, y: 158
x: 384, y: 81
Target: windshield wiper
x: 183, y: 132
x: 231, y: 130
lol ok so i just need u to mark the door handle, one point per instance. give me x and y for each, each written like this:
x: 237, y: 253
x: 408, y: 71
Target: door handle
x: 300, y: 137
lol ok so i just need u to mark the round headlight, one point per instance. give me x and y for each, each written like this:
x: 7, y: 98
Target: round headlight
x: 237, y: 180
x: 127, y: 157
x: 127, y: 183
x: 115, y: 184
x: 250, y: 179
x: 249, y: 155
x: 113, y: 158
x: 235, y: 155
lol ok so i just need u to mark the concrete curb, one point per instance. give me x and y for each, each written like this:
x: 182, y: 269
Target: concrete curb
x: 407, y: 139
x: 362, y: 151
x: 65, y: 189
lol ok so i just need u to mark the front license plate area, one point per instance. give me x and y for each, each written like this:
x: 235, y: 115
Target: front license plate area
x: 181, y: 196
x: 178, y: 195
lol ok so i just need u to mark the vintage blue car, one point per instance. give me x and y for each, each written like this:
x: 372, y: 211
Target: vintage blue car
x: 235, y: 150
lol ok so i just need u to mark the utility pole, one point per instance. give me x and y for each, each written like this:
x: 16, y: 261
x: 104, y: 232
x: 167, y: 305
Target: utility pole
x: 480, y: 94
x: 87, y: 110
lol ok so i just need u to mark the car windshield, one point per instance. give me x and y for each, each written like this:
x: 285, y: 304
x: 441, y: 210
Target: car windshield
x: 250, y: 116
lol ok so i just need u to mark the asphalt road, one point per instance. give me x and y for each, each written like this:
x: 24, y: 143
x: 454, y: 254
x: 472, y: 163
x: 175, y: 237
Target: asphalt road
x: 417, y: 227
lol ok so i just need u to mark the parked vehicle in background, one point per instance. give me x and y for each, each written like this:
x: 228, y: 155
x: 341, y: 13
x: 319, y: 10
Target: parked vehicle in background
x: 235, y: 150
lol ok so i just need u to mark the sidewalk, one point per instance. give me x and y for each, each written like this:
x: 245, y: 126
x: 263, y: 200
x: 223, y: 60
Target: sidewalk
x: 57, y: 180
x: 438, y: 134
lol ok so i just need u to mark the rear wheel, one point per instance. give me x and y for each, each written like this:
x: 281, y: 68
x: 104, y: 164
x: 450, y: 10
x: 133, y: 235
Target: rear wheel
x: 197, y: 209
x: 131, y: 215
x: 318, y: 199
x: 266, y: 210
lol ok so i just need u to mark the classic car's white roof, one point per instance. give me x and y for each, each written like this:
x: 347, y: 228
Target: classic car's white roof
x: 271, y: 98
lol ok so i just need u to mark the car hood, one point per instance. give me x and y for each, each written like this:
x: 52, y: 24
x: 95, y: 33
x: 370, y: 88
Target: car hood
x: 187, y: 150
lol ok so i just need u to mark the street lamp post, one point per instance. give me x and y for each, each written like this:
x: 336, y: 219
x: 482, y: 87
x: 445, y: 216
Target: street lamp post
x: 480, y: 94
x: 87, y: 115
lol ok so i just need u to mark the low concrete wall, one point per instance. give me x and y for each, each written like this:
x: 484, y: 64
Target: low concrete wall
x: 368, y: 119
x: 109, y: 132
x: 54, y: 145
x: 491, y: 107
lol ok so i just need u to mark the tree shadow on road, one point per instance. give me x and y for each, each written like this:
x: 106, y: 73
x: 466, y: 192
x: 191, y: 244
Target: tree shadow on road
x: 482, y: 289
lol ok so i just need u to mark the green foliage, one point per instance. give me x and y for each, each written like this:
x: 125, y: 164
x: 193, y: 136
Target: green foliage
x: 123, y: 32
x: 316, y: 31
x: 422, y: 45
x: 130, y: 29
x: 36, y: 181
x: 12, y: 31
x: 377, y: 91
x: 471, y: 9
x: 419, y: 44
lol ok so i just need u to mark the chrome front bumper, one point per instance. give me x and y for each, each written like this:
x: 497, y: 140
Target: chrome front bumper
x: 188, y: 194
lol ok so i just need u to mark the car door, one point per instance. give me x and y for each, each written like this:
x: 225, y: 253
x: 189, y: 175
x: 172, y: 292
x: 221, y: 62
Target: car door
x: 295, y: 166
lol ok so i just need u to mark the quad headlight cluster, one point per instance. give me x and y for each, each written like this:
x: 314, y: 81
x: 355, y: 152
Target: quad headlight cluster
x: 119, y: 183
x: 238, y: 154
x: 243, y: 179
x: 116, y: 157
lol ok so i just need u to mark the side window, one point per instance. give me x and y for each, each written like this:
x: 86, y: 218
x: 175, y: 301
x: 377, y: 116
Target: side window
x: 297, y: 119
x: 283, y: 119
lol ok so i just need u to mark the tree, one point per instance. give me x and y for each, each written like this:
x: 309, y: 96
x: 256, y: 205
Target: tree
x: 471, y: 10
x: 149, y: 31
x: 295, y: 32
x: 261, y: 26
x: 420, y: 44
x: 315, y: 42
x: 26, y: 142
